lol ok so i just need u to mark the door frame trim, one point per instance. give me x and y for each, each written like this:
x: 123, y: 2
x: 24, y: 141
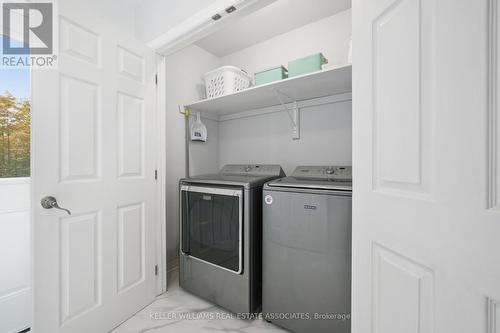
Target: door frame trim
x: 161, y: 241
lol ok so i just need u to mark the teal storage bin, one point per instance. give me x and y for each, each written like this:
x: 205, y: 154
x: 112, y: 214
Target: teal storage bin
x: 271, y: 75
x: 306, y: 65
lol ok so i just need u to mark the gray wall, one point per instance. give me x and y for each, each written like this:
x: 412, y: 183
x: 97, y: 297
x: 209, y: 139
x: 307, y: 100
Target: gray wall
x: 325, y: 138
x: 330, y: 36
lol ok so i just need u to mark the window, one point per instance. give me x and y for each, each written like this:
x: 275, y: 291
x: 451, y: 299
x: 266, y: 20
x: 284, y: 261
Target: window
x: 15, y: 118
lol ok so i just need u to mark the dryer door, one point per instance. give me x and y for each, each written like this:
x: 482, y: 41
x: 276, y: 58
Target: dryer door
x: 212, y: 226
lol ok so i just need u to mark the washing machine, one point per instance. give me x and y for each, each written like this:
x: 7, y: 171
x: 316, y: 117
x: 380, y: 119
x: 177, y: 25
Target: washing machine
x: 307, y: 250
x: 221, y: 235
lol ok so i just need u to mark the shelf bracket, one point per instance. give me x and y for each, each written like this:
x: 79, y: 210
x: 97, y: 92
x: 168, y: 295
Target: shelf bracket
x: 294, y: 115
x: 295, y: 121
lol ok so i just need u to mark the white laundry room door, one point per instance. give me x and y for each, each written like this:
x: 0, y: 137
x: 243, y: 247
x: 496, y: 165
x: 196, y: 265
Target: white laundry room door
x: 94, y: 152
x: 426, y: 202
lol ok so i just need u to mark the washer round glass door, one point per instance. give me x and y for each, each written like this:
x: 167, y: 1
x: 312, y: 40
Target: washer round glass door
x: 211, y: 226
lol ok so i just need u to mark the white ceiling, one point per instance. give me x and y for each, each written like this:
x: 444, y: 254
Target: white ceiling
x: 275, y: 19
x: 156, y: 17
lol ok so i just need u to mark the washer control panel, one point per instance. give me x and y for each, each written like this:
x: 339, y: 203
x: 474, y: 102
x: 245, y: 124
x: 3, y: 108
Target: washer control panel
x: 252, y: 169
x: 324, y: 172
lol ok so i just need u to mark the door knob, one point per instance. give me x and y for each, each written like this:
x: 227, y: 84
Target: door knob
x: 49, y: 202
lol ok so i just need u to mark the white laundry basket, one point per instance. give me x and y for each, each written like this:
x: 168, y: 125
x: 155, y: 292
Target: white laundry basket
x: 225, y: 80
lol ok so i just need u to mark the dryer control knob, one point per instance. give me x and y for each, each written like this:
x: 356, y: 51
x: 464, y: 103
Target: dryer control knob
x: 330, y: 171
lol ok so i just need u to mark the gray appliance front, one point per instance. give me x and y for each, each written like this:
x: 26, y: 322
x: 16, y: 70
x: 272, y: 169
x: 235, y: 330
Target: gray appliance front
x: 216, y: 260
x: 307, y: 260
